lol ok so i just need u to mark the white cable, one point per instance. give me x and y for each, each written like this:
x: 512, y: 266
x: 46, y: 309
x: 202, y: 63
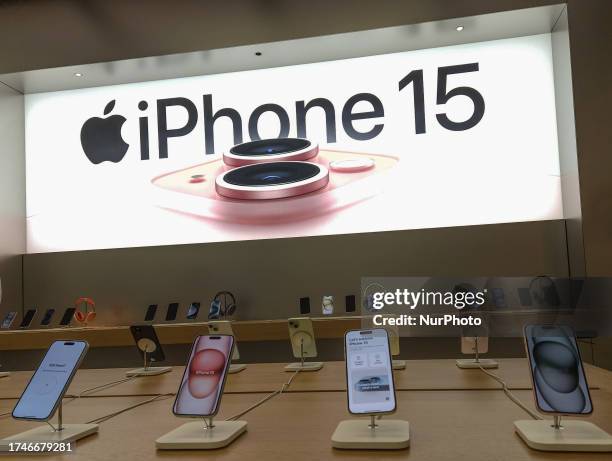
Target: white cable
x: 105, y: 418
x: 510, y: 395
x: 101, y: 387
x: 283, y: 388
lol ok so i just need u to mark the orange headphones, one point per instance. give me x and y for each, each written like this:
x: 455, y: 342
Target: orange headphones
x: 87, y: 315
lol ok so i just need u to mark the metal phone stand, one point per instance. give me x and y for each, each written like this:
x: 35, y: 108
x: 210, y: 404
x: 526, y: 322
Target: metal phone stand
x: 236, y: 368
x: 302, y: 365
x: 61, y: 433
x: 192, y: 436
x: 387, y: 434
x: 147, y: 369
x: 572, y: 435
x: 477, y: 362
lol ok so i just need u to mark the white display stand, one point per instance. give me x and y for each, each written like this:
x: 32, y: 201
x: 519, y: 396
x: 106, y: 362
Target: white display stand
x: 196, y: 436
x: 49, y: 433
x: 5, y: 374
x: 398, y: 364
x: 147, y: 370
x: 356, y: 434
x: 236, y: 368
x: 572, y: 435
x: 477, y: 363
x: 302, y: 365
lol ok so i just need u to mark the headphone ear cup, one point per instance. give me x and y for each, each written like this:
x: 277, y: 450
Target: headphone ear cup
x: 91, y: 316
x: 79, y: 316
x: 230, y: 310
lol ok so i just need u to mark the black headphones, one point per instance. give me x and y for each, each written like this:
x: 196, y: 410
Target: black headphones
x: 227, y: 303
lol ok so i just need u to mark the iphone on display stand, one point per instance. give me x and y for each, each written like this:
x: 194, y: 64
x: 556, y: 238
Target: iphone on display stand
x: 560, y: 388
x: 303, y: 344
x: 171, y: 312
x: 67, y: 317
x: 224, y: 327
x: 370, y: 392
x: 193, y: 310
x: 6, y: 323
x: 8, y: 320
x: 214, y: 312
x: 199, y: 396
x: 327, y: 305
x: 27, y: 318
x: 475, y: 342
x: 46, y: 320
x: 150, y: 314
x: 42, y: 397
x: 150, y: 349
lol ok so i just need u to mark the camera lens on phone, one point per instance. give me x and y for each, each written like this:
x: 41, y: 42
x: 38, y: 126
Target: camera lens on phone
x: 272, y: 180
x: 270, y: 174
x: 270, y: 146
x: 270, y: 150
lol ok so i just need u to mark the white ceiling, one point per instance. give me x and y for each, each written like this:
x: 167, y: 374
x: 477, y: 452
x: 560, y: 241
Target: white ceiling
x: 300, y: 51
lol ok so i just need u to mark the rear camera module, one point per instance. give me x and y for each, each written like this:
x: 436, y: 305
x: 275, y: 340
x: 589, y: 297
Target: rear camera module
x: 272, y: 180
x: 270, y: 150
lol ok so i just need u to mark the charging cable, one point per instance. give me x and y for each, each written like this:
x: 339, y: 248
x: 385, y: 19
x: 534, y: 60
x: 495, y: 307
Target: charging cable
x: 510, y: 395
x: 105, y: 418
x: 283, y: 388
x: 101, y: 387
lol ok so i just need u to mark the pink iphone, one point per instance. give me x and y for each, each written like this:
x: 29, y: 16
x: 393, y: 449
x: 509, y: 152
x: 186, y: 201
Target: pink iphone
x: 203, y: 380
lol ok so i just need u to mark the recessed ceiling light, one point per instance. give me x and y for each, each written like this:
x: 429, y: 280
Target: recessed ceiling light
x: 459, y: 28
x: 258, y: 53
x: 78, y: 74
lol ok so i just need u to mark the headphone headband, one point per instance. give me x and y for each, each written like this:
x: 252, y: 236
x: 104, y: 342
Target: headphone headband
x: 228, y: 308
x: 90, y: 310
x: 225, y: 293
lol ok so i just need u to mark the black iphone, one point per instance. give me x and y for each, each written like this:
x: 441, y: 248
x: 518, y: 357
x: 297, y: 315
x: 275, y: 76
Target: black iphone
x: 67, y: 317
x: 171, y: 312
x: 27, y: 318
x: 151, y: 311
x: 559, y: 382
x: 47, y: 317
x: 146, y: 340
